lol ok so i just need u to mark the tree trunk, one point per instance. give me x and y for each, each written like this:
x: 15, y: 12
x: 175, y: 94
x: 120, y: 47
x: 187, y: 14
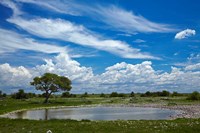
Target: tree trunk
x: 47, y: 95
x: 46, y: 99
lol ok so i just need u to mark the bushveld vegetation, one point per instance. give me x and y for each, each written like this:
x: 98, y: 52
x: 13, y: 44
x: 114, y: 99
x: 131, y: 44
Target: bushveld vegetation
x: 2, y: 95
x: 10, y: 103
x: 194, y: 96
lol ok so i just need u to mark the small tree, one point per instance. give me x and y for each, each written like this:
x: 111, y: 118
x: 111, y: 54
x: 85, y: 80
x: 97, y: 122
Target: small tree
x: 51, y: 83
x: 114, y: 94
x: 102, y: 95
x: 85, y: 94
x: 132, y: 94
x: 19, y: 95
x: 194, y: 96
x: 2, y: 94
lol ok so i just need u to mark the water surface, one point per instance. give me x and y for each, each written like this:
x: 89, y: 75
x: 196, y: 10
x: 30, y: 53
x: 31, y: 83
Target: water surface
x: 96, y: 113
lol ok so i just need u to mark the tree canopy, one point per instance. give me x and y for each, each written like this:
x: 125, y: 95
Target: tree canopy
x: 51, y: 83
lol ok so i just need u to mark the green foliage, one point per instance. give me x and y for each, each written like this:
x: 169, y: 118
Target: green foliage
x: 85, y: 94
x: 194, y: 96
x: 67, y: 95
x: 164, y: 93
x: 102, y: 95
x: 2, y: 95
x: 115, y: 94
x: 51, y: 83
x: 20, y: 95
x: 132, y: 94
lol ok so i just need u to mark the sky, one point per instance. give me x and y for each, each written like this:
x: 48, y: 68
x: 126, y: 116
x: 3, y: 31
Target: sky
x: 103, y: 46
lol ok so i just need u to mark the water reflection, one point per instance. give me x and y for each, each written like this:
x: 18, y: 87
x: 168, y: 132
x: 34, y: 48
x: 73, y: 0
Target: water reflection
x: 96, y: 113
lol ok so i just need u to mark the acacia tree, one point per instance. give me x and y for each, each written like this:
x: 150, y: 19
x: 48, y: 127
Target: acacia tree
x: 51, y: 83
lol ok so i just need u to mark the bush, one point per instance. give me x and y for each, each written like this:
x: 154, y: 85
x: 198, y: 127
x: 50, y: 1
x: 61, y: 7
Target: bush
x: 164, y: 93
x: 20, y: 95
x: 102, y: 95
x: 85, y: 94
x: 115, y: 94
x: 132, y: 94
x: 174, y: 94
x: 2, y: 94
x: 194, y: 96
x: 31, y: 95
x: 67, y: 95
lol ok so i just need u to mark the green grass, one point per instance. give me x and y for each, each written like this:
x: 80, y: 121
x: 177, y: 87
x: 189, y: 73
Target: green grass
x: 72, y: 126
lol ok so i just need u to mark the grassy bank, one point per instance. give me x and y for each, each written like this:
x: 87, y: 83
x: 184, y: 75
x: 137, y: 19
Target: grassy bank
x: 70, y: 126
x: 9, y: 104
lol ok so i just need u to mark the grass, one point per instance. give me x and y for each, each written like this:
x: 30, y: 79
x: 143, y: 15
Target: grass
x: 72, y: 126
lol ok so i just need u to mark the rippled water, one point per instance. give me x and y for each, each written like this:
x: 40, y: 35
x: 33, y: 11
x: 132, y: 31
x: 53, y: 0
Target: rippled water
x: 96, y: 113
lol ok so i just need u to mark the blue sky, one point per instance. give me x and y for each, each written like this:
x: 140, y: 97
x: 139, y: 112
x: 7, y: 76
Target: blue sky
x: 103, y: 45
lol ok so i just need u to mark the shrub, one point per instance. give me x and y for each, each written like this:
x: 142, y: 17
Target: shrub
x: 67, y: 95
x: 132, y: 94
x: 31, y: 95
x: 114, y: 94
x: 194, y: 96
x: 102, y: 95
x: 164, y: 93
x: 85, y: 94
x: 20, y: 95
x: 2, y: 94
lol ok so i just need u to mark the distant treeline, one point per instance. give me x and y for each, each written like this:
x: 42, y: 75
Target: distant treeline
x: 22, y: 95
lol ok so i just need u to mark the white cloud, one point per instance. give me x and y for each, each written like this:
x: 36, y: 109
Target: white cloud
x: 127, y: 21
x: 185, y: 33
x: 64, y: 65
x: 14, y: 76
x: 116, y: 17
x: 11, y: 41
x: 66, y: 7
x: 192, y: 60
x: 193, y: 67
x: 78, y: 34
x: 122, y: 77
x: 13, y: 6
x: 20, y: 77
x: 139, y: 41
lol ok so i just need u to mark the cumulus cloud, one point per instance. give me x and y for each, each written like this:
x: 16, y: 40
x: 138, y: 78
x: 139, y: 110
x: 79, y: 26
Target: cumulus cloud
x: 185, y: 33
x: 121, y: 77
x: 14, y: 76
x: 64, y: 65
x: 19, y: 77
x: 193, y: 67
